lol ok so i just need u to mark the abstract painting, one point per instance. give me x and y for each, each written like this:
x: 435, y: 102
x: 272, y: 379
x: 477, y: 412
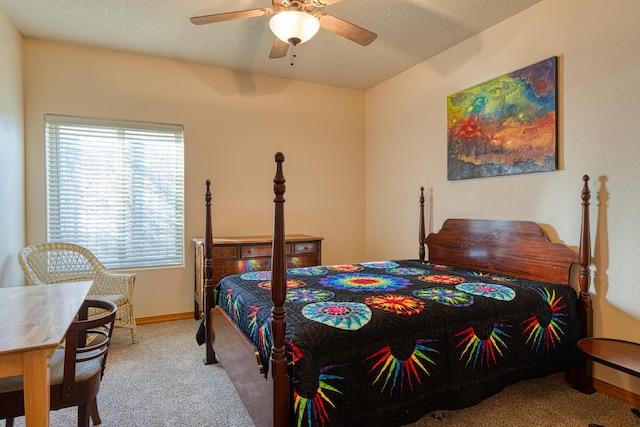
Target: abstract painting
x: 505, y: 126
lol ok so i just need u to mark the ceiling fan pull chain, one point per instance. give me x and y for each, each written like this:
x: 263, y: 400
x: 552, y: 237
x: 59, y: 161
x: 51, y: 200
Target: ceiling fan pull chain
x: 293, y: 53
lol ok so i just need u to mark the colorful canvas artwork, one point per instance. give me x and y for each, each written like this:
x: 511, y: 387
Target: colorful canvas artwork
x: 505, y: 126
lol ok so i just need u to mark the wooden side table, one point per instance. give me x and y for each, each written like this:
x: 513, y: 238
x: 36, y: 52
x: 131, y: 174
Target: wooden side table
x: 617, y: 354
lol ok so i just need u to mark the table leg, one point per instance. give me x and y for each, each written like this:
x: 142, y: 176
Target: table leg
x: 36, y: 386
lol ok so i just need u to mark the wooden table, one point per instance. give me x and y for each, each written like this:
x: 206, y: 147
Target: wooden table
x: 617, y: 354
x: 33, y: 321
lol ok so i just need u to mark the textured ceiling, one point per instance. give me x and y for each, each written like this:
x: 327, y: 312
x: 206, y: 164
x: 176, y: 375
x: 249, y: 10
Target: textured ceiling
x: 409, y: 32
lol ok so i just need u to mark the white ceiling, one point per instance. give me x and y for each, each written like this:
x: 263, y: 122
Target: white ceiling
x: 409, y: 32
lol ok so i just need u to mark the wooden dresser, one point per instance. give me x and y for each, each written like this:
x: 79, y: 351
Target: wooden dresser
x: 233, y: 255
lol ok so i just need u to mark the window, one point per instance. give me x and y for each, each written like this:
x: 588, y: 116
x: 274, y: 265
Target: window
x: 116, y: 188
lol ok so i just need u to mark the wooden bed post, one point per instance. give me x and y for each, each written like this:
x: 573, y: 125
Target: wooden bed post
x: 583, y: 380
x: 421, y: 228
x: 279, y: 373
x: 210, y: 356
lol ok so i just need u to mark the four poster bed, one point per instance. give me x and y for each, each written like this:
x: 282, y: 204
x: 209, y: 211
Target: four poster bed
x: 384, y: 343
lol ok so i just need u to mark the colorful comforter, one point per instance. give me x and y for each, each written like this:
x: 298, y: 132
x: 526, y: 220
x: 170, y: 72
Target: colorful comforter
x: 384, y: 343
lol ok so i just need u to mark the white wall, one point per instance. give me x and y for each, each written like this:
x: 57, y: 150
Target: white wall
x: 599, y: 74
x: 234, y: 124
x: 11, y: 153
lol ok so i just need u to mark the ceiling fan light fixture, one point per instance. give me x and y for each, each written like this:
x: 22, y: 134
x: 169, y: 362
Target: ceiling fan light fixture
x: 294, y: 27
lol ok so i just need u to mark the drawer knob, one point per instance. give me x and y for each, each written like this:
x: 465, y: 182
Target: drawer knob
x: 222, y: 273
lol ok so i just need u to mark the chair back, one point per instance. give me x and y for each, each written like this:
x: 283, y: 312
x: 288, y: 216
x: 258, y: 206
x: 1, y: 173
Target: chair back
x: 87, y: 342
x: 76, y: 369
x: 49, y: 263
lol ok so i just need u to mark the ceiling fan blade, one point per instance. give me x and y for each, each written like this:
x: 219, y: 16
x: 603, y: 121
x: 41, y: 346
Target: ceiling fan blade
x: 323, y: 3
x: 229, y: 16
x: 345, y: 29
x: 279, y: 49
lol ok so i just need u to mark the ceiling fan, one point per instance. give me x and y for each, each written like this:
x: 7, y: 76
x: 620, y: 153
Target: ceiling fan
x: 294, y: 22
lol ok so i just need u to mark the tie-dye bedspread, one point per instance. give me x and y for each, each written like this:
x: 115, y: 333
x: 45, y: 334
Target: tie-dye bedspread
x: 384, y: 343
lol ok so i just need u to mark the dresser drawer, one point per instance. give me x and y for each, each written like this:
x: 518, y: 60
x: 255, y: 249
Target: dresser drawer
x: 303, y: 261
x: 255, y: 251
x: 261, y: 251
x: 305, y: 247
x: 225, y: 252
x: 223, y: 268
x: 257, y: 264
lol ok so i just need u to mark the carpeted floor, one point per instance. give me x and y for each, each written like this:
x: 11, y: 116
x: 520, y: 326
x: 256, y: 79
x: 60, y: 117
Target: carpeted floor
x: 162, y: 382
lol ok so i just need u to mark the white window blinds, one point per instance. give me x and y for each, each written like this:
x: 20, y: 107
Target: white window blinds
x: 116, y: 188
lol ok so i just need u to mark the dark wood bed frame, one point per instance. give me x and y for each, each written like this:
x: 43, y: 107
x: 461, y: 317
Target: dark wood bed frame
x: 518, y: 248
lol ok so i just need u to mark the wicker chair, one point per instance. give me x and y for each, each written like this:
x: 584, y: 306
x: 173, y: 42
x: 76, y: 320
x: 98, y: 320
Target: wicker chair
x: 48, y: 263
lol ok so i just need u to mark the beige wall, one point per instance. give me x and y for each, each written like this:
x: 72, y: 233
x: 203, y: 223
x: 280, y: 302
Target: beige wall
x: 234, y: 124
x: 599, y: 74
x: 11, y: 153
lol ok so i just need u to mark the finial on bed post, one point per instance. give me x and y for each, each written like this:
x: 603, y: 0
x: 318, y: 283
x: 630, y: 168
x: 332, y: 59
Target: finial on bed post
x: 279, y: 372
x: 207, y: 265
x: 583, y: 379
x: 421, y: 230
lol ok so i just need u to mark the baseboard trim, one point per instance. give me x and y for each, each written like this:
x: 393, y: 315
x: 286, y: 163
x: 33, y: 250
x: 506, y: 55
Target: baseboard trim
x: 616, y: 392
x: 164, y: 318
